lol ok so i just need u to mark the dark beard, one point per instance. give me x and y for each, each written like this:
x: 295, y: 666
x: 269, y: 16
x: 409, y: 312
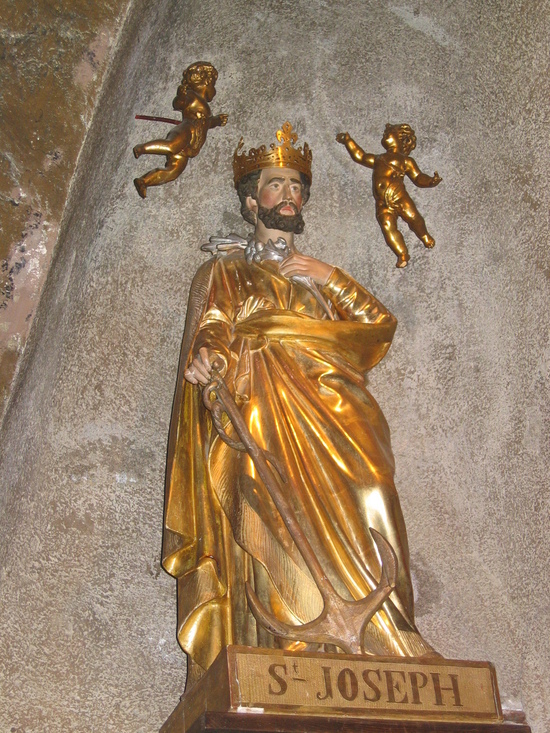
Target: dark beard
x: 273, y: 219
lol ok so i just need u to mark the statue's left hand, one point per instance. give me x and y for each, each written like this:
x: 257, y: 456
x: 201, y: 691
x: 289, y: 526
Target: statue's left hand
x: 298, y: 264
x: 223, y: 119
x: 436, y: 178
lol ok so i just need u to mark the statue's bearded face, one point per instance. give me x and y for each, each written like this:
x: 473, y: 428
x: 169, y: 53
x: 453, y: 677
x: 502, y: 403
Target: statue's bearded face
x: 279, y: 200
x: 275, y: 218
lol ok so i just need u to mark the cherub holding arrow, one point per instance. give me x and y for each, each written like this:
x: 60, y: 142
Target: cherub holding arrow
x: 186, y: 139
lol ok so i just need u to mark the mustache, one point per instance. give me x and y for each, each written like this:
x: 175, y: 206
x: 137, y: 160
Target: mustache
x: 284, y: 204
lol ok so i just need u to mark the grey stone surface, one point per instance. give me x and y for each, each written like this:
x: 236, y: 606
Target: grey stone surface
x: 87, y: 617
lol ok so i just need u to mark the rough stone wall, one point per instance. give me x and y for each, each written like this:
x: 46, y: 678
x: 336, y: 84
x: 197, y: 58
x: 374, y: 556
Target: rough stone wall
x: 87, y: 616
x: 53, y: 59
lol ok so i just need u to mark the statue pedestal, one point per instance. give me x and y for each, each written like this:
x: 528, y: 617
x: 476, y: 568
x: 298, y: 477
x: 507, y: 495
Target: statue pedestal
x: 250, y: 689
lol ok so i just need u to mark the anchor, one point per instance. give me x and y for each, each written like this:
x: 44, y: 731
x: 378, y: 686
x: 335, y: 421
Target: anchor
x: 342, y: 623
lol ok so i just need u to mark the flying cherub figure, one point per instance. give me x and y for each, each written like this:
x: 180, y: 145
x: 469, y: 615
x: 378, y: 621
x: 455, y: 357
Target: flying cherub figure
x: 388, y: 187
x: 186, y: 139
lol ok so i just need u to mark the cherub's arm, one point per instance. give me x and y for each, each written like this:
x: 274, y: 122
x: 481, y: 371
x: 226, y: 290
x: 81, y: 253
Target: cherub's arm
x: 422, y: 180
x: 182, y: 100
x: 217, y: 121
x: 357, y: 154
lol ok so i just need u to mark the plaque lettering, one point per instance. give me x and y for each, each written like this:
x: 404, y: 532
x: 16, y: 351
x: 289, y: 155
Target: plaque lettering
x: 365, y: 686
x: 394, y: 685
x: 347, y: 684
x: 328, y: 684
x: 415, y: 687
x: 282, y: 683
x: 438, y: 690
x: 371, y: 685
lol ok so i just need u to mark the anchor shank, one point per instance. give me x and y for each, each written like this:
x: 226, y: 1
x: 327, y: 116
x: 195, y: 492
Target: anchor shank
x: 279, y: 499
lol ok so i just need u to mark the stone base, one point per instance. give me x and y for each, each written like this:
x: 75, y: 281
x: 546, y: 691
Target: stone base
x: 249, y: 689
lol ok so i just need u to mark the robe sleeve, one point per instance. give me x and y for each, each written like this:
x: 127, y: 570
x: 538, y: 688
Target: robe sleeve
x: 352, y: 302
x: 216, y: 329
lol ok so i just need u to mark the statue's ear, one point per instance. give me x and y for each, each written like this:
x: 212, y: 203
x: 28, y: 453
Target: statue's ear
x: 252, y: 205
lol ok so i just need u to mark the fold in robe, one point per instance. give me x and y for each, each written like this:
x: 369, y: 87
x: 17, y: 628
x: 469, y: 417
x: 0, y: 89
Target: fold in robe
x: 298, y: 378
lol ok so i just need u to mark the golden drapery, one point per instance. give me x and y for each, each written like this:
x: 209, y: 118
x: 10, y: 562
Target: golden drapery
x: 298, y: 378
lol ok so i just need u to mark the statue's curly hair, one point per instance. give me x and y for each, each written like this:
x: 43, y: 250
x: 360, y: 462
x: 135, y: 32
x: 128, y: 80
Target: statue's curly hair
x: 405, y: 133
x: 248, y: 186
x: 200, y: 72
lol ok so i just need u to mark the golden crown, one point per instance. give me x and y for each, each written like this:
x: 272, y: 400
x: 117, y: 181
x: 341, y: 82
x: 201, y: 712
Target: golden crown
x: 284, y: 155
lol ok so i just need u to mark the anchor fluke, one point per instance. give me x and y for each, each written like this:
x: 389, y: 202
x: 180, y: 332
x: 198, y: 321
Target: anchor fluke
x: 342, y: 622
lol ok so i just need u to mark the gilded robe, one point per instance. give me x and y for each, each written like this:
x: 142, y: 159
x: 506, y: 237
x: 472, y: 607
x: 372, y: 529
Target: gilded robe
x: 299, y: 380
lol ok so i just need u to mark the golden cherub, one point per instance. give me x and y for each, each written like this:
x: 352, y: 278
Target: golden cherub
x: 390, y: 194
x: 186, y: 139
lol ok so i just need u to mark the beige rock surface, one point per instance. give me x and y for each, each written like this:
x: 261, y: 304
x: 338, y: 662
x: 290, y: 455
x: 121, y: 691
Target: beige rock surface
x: 54, y: 58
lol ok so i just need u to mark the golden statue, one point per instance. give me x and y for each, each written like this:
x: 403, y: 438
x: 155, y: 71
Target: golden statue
x: 292, y: 338
x: 390, y: 194
x: 186, y: 139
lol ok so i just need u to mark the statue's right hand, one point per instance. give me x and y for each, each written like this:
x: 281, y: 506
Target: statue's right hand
x: 200, y: 369
x: 342, y: 137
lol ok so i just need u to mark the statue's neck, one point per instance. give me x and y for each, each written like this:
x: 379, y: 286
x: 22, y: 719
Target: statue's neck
x: 263, y: 234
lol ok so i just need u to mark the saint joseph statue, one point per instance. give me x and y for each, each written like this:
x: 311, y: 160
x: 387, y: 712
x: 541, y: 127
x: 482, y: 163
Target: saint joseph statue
x: 293, y: 337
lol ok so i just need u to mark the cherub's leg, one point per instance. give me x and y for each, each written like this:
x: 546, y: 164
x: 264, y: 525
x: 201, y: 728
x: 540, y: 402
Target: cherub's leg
x: 416, y: 222
x: 174, y: 167
x: 158, y: 147
x: 392, y: 235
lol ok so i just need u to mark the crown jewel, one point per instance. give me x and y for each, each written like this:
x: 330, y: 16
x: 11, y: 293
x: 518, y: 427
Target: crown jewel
x: 284, y: 155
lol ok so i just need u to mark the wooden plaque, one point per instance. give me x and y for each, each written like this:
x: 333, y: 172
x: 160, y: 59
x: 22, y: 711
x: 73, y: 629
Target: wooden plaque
x: 271, y: 690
